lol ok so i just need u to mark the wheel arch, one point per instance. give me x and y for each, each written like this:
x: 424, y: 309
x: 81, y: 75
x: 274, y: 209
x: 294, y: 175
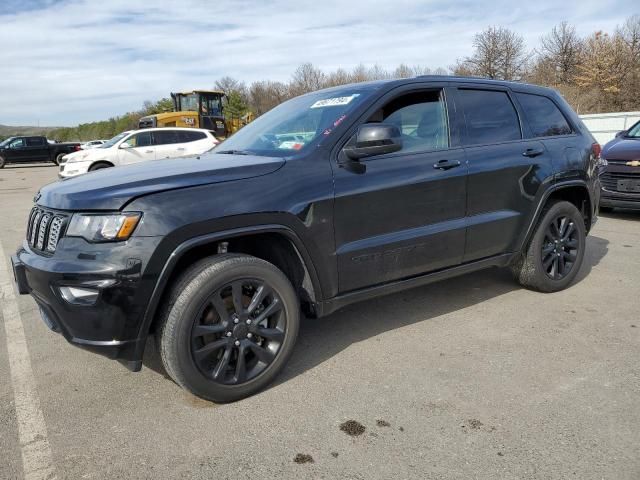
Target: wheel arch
x: 98, y: 162
x: 289, y: 254
x: 575, y: 192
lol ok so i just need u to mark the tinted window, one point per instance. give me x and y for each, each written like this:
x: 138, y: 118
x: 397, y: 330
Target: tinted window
x: 17, y: 143
x: 186, y: 136
x: 421, y: 118
x: 35, y: 142
x: 490, y: 117
x: 165, y: 137
x: 545, y: 119
x: 140, y: 140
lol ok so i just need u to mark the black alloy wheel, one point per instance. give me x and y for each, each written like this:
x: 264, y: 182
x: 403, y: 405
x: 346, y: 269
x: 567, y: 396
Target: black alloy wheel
x: 560, y: 247
x: 238, y: 331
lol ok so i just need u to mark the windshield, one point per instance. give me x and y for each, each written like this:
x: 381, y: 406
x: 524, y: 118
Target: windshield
x: 114, y: 140
x: 292, y: 126
x: 634, y: 132
x: 6, y: 142
x: 188, y: 102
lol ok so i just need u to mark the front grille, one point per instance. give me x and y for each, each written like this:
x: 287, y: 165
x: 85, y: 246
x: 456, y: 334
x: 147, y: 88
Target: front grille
x: 609, y: 180
x: 44, y: 229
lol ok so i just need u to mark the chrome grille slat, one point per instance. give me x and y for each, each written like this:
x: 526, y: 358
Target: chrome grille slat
x: 44, y: 223
x: 34, y: 227
x: 54, y: 233
x: 44, y: 229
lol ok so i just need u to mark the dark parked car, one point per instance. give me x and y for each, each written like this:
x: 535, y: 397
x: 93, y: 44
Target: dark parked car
x: 621, y: 175
x: 33, y: 149
x: 331, y: 198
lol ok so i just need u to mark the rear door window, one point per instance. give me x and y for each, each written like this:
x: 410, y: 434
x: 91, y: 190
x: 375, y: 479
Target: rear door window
x: 544, y: 117
x: 490, y: 117
x: 165, y: 137
x: 35, y: 142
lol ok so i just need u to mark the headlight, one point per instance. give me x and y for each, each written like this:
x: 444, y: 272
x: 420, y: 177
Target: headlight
x: 78, y: 158
x: 103, y: 228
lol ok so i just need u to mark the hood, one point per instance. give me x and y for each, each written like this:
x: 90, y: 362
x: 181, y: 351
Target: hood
x: 89, y: 154
x: 622, y: 148
x: 112, y: 188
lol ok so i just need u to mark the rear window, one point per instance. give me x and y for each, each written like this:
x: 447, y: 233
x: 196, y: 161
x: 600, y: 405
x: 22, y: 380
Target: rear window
x: 186, y: 136
x: 35, y: 142
x: 490, y: 117
x: 544, y: 117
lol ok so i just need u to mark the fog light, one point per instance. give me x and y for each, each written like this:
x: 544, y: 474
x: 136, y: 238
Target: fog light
x: 79, y: 296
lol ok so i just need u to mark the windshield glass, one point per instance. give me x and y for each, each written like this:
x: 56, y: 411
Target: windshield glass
x: 6, y: 142
x: 188, y: 102
x: 294, y: 125
x: 114, y: 140
x: 634, y: 131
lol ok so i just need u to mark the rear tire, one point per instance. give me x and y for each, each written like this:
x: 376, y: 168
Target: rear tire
x: 228, y: 327
x: 556, y: 250
x: 58, y: 158
x: 2, y: 162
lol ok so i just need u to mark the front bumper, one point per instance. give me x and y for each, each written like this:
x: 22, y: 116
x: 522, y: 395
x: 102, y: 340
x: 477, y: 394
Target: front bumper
x: 619, y: 200
x: 73, y: 169
x: 111, y: 325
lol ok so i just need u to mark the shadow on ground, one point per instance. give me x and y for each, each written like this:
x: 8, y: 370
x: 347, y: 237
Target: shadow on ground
x: 321, y: 339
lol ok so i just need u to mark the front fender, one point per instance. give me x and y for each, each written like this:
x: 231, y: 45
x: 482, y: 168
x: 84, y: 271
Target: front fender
x: 181, y: 249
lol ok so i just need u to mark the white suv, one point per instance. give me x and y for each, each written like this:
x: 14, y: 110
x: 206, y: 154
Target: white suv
x: 139, y: 146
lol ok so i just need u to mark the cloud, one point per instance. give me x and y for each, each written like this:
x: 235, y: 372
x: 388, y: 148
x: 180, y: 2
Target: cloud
x: 66, y: 62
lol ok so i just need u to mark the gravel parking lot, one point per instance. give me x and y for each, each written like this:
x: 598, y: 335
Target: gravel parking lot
x: 473, y: 377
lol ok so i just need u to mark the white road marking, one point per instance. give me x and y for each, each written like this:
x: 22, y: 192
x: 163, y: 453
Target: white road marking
x: 32, y: 431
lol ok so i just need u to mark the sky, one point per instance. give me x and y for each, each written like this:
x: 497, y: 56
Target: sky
x: 64, y: 62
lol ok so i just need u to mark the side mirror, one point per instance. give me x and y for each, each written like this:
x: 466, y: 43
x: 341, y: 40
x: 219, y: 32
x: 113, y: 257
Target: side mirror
x: 621, y: 134
x: 374, y: 139
x: 125, y: 145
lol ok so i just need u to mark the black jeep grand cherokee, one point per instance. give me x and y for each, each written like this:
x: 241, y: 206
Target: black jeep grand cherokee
x: 330, y: 198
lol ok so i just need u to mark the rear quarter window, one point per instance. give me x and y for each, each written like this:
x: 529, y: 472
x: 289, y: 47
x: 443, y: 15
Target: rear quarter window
x: 544, y: 117
x: 186, y: 136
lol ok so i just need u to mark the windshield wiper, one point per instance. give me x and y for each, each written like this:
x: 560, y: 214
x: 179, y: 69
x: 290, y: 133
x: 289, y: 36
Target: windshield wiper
x: 234, y: 152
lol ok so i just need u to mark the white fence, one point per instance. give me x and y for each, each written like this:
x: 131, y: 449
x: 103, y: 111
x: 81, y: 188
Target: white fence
x: 604, y: 126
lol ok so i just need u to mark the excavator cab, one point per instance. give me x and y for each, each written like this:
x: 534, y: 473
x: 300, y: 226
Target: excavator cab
x: 198, y: 109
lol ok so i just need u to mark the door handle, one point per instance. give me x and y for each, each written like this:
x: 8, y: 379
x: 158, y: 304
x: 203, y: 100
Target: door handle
x: 446, y: 164
x: 532, y: 152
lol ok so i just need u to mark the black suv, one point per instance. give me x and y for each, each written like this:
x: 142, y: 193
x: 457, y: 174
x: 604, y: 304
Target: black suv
x: 330, y: 198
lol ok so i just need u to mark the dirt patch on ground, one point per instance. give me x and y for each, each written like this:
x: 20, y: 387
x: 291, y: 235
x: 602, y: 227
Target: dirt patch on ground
x: 383, y: 423
x: 352, y: 428
x: 303, y: 458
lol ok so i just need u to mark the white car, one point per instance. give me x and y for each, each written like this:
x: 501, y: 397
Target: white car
x: 92, y: 144
x: 139, y: 146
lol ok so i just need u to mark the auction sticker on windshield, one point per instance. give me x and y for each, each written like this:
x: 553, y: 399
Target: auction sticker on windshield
x: 334, y: 102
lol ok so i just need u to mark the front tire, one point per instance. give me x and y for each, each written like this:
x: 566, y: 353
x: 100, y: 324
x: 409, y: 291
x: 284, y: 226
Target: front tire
x: 556, y: 251
x: 228, y: 327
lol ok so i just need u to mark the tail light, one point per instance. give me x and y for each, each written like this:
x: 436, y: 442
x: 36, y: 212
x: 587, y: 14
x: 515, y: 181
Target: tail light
x: 77, y: 148
x: 596, y: 149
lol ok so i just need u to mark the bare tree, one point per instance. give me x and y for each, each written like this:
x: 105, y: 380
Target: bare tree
x: 561, y: 50
x: 306, y: 78
x: 498, y: 53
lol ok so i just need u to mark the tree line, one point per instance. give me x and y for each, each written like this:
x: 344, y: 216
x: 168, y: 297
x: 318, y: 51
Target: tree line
x: 596, y: 74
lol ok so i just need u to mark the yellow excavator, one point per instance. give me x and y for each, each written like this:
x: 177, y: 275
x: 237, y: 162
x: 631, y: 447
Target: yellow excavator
x: 197, y: 109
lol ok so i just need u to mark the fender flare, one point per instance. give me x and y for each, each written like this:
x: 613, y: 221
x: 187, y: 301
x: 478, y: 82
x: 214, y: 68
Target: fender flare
x: 184, y: 247
x: 543, y: 200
